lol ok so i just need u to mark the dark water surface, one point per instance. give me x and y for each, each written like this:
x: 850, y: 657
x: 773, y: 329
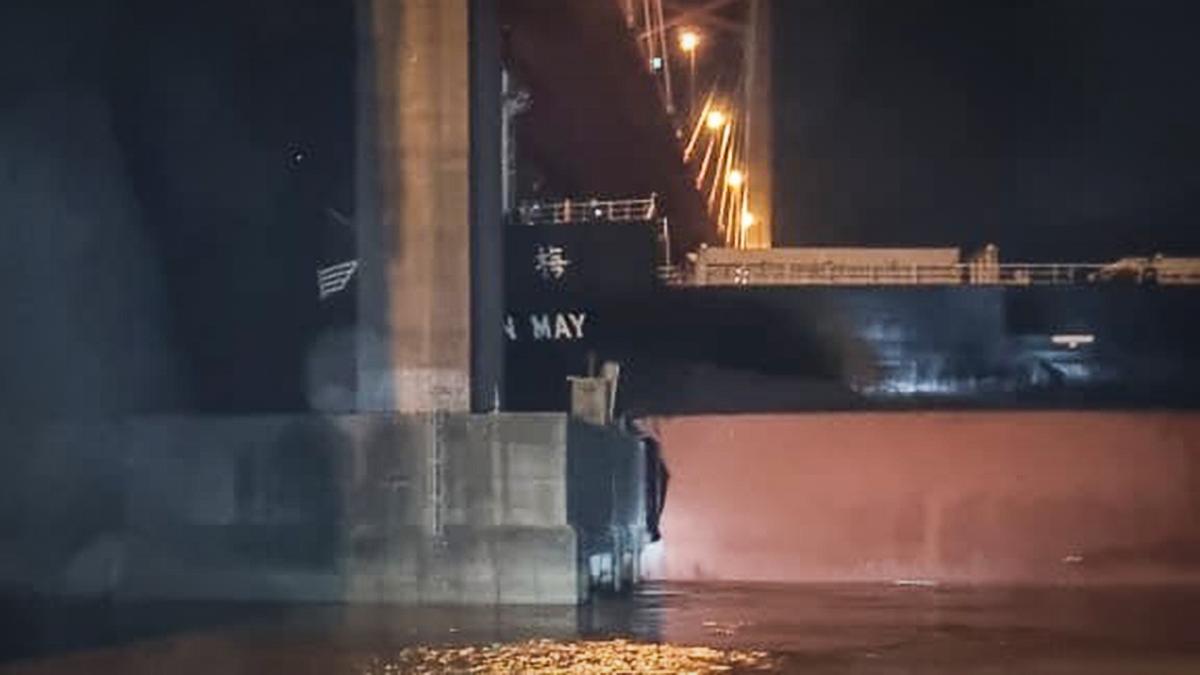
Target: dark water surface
x: 800, y: 629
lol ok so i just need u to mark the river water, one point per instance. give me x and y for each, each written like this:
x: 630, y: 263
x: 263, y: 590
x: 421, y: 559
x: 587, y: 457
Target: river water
x: 704, y: 627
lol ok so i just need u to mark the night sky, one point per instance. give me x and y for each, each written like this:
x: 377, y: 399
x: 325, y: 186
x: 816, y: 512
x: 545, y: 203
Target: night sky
x: 1058, y: 129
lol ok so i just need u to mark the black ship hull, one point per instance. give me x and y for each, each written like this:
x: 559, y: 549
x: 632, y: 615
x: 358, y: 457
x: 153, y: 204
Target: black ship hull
x: 704, y: 349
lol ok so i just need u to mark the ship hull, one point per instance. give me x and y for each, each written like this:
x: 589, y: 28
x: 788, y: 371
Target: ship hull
x: 742, y: 349
x: 1009, y: 497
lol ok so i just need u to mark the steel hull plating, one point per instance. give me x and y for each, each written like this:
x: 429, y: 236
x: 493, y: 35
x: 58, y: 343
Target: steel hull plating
x: 689, y: 350
x: 934, y: 497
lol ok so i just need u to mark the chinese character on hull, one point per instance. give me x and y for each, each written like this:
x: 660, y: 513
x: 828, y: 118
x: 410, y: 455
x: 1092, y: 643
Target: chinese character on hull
x: 550, y: 262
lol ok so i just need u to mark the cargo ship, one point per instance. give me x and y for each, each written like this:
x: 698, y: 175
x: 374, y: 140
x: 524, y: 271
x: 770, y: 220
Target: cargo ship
x: 834, y: 328
x: 598, y: 271
x: 869, y: 401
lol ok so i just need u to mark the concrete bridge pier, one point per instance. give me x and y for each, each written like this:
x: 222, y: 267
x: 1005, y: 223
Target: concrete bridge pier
x: 418, y: 491
x: 425, y: 210
x: 430, y: 308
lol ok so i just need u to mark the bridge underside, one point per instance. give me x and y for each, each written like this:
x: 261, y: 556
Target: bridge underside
x: 596, y: 127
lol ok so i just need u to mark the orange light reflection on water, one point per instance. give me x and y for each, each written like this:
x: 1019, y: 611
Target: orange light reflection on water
x: 549, y: 656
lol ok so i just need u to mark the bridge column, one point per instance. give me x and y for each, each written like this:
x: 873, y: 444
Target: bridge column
x: 425, y: 212
x: 759, y: 128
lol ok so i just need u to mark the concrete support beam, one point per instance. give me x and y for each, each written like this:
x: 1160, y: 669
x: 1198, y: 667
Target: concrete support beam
x: 413, y: 205
x: 760, y: 140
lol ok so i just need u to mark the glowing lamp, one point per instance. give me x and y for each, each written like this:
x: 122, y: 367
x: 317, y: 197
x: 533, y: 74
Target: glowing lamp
x: 689, y: 40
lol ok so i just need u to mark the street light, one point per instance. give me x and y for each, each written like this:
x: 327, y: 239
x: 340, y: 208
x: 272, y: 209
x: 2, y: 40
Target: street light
x: 715, y: 120
x: 735, y: 179
x: 689, y: 40
x: 747, y: 220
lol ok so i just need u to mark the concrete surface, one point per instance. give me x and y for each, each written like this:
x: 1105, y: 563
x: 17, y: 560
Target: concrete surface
x: 413, y: 206
x: 436, y: 508
x: 1008, y: 497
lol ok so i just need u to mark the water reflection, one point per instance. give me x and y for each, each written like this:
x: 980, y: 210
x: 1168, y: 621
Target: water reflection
x: 703, y: 627
x: 548, y: 656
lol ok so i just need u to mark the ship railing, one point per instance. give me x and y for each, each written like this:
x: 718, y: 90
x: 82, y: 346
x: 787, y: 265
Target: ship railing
x: 639, y: 209
x: 671, y: 274
x: 825, y: 274
x: 1043, y: 274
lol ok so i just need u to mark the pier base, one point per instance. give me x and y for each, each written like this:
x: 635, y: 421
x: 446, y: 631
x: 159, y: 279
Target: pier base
x: 428, y: 509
